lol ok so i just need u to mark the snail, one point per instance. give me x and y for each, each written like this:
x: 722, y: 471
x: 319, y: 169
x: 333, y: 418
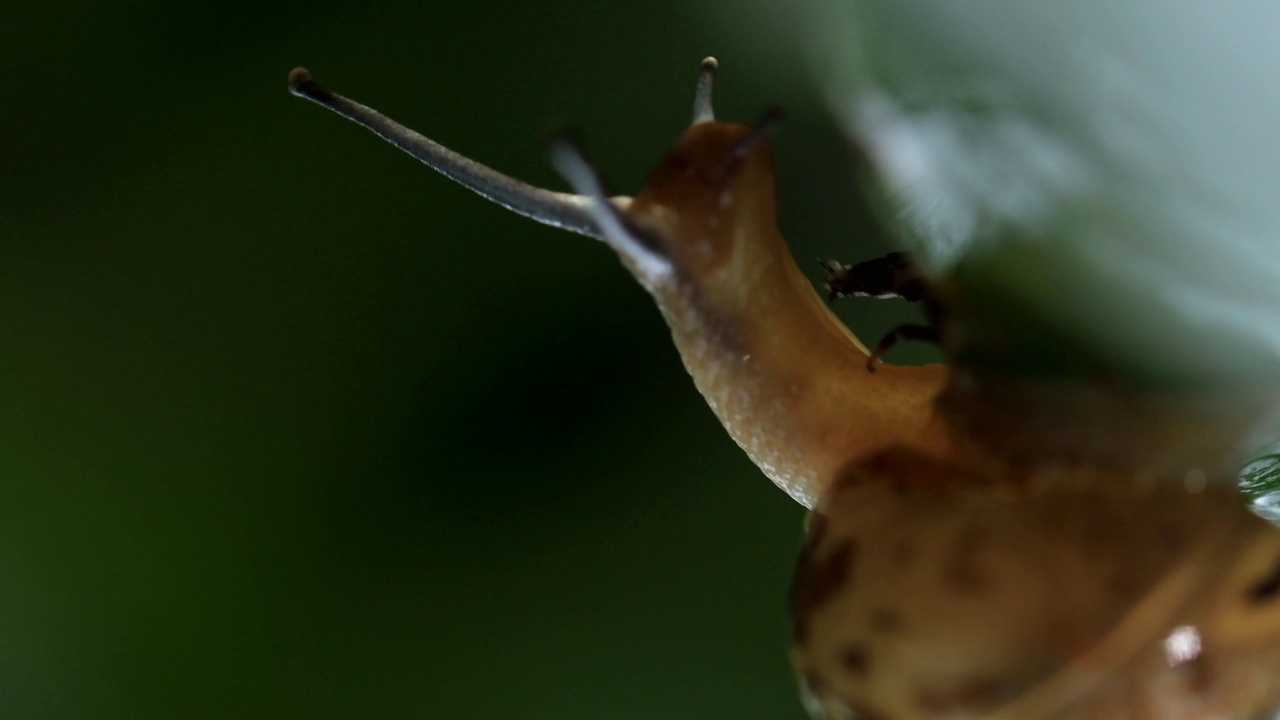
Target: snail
x: 982, y: 543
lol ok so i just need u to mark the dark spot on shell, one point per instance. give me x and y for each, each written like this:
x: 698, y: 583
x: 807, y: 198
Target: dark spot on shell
x: 813, y: 684
x: 903, y: 471
x: 851, y: 475
x: 817, y: 581
x: 1123, y: 583
x: 886, y: 622
x: 1172, y: 538
x: 862, y: 711
x: 975, y: 696
x: 863, y: 471
x: 904, y: 553
x: 816, y: 531
x: 856, y: 659
x: 1267, y: 587
x: 799, y: 629
x: 879, y: 463
x: 1098, y: 534
x: 963, y: 570
x: 1199, y: 673
x: 1019, y: 476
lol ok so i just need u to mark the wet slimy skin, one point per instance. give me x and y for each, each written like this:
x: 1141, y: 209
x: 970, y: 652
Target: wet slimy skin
x: 963, y: 560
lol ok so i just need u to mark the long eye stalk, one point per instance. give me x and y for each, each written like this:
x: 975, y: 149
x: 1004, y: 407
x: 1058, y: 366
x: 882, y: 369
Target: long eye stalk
x: 563, y: 210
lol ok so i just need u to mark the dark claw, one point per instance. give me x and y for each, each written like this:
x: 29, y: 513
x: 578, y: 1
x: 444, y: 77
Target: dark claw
x: 902, y: 332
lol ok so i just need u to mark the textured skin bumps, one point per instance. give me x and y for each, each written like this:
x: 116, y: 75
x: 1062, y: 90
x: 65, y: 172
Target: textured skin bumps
x: 928, y: 590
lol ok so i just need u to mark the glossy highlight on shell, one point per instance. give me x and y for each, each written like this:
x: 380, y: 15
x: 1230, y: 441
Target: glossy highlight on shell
x: 981, y: 545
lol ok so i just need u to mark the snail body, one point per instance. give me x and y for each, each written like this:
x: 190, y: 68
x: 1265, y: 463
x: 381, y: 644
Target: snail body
x: 926, y: 590
x: 942, y: 576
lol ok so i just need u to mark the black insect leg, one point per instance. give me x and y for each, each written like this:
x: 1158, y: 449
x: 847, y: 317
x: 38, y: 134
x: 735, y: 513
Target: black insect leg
x: 893, y: 276
x: 902, y: 332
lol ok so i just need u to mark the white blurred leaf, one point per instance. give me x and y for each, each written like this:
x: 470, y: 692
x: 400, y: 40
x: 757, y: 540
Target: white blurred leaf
x: 1111, y: 168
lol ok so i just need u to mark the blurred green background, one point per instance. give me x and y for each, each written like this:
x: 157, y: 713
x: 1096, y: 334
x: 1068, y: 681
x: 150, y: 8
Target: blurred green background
x: 292, y: 427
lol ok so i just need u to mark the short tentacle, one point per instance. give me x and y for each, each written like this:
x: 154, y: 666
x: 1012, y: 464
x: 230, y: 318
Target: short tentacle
x: 702, y: 110
x: 922, y: 333
x: 764, y: 126
x: 571, y: 162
